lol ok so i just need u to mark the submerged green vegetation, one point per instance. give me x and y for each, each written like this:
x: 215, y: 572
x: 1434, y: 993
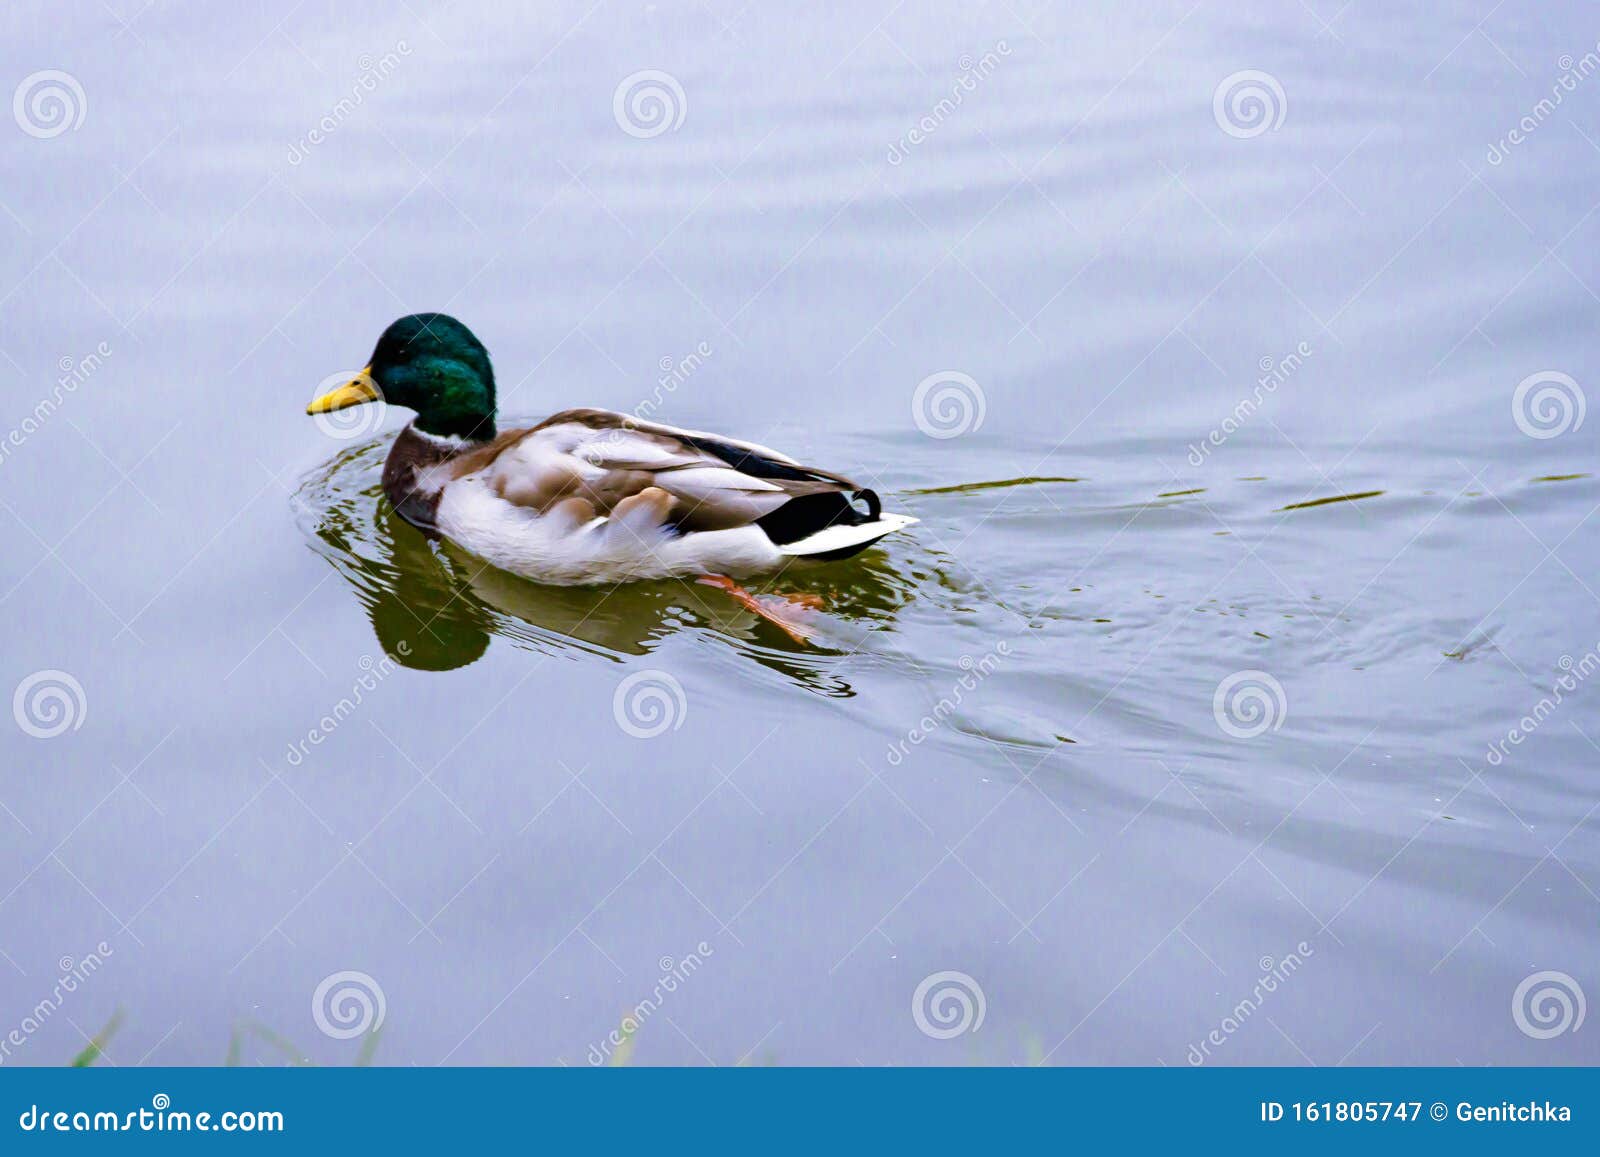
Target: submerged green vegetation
x: 243, y: 1031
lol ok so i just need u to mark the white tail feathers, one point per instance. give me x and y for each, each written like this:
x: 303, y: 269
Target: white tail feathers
x: 856, y: 537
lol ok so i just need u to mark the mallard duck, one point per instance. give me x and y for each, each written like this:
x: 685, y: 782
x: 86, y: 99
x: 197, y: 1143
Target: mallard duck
x: 590, y: 495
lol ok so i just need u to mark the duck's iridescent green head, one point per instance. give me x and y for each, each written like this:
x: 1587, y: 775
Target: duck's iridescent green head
x: 430, y: 363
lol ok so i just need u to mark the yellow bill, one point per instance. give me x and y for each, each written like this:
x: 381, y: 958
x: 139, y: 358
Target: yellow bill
x: 355, y: 392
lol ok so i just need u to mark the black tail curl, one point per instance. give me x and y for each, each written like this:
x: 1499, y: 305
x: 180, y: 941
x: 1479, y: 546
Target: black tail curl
x: 804, y: 516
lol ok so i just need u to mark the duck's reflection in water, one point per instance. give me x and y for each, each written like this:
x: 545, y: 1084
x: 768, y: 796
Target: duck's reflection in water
x: 445, y: 606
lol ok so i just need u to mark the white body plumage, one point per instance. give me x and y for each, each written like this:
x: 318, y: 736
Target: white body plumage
x: 509, y: 512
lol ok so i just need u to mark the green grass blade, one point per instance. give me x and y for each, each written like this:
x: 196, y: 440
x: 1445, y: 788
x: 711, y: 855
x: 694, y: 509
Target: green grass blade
x: 369, y: 1046
x: 97, y: 1046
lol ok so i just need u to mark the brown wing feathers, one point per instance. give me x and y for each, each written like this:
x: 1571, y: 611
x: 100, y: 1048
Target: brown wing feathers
x: 655, y: 475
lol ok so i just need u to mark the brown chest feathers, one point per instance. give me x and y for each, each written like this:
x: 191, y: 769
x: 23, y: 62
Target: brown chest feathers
x: 418, y: 466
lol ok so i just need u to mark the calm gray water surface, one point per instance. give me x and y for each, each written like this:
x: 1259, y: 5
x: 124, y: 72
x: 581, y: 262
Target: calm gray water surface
x: 1005, y: 757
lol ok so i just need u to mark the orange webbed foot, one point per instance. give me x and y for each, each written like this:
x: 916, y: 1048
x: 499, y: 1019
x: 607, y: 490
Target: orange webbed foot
x: 787, y: 612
